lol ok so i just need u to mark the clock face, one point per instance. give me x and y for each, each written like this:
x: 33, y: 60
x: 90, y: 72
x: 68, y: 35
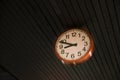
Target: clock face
x: 72, y: 45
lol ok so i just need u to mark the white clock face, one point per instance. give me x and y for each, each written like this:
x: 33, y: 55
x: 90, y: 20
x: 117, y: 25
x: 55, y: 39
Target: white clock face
x: 72, y: 44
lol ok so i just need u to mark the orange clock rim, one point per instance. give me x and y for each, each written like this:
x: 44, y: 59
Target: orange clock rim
x: 83, y: 58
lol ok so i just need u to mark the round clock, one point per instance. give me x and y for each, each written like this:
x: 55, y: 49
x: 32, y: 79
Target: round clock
x: 74, y: 46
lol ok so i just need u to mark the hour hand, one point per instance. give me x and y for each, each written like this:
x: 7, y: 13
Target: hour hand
x: 71, y: 45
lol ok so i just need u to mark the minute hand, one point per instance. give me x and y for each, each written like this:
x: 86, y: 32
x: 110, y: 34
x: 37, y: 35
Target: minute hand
x: 66, y: 43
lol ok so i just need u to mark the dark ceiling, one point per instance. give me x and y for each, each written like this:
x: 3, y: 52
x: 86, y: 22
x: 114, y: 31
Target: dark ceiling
x: 28, y: 29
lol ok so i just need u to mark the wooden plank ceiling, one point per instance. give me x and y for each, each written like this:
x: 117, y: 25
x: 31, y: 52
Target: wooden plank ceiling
x: 28, y: 29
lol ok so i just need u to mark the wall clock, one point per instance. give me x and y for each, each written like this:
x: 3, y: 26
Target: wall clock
x: 74, y: 46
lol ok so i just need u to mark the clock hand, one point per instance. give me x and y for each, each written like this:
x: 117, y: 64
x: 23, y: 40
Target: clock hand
x: 71, y: 45
x: 66, y: 43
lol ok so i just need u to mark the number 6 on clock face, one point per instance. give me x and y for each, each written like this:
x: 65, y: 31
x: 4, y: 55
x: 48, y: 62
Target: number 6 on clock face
x: 74, y: 46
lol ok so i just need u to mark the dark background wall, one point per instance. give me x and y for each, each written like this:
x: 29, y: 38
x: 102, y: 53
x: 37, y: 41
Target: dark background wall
x: 28, y: 29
